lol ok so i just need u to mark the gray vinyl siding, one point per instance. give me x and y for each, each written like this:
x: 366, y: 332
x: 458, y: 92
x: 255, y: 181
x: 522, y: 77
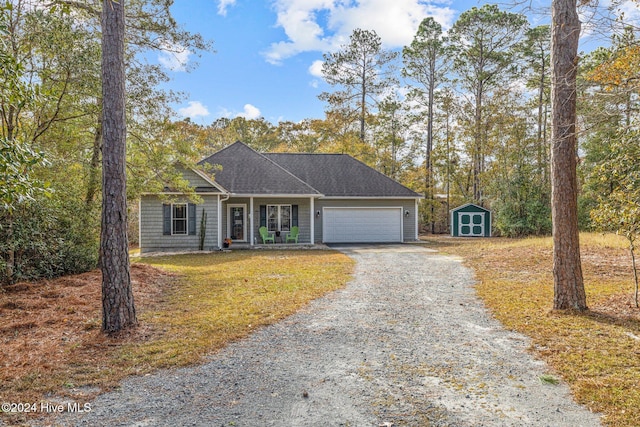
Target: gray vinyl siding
x: 194, y: 179
x: 152, y: 238
x: 408, y: 223
x: 304, y: 221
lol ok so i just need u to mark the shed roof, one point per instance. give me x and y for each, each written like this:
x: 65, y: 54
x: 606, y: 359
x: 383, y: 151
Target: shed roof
x: 471, y: 206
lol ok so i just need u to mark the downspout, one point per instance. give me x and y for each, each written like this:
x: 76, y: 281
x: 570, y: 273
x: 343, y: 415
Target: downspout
x: 220, y: 200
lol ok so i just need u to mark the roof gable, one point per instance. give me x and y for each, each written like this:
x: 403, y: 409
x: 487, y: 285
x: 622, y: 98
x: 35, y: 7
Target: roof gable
x: 245, y: 171
x: 470, y: 207
x: 340, y: 175
x: 199, y: 180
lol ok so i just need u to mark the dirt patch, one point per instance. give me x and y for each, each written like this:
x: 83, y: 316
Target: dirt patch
x: 621, y: 307
x: 50, y: 333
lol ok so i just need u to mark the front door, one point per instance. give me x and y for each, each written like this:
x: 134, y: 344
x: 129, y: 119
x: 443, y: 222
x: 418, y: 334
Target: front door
x: 237, y: 223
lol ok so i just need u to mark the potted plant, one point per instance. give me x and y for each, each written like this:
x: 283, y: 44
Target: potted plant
x: 227, y: 242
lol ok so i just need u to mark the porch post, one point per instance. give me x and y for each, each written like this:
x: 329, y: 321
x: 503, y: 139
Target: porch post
x: 251, y: 221
x: 312, y: 215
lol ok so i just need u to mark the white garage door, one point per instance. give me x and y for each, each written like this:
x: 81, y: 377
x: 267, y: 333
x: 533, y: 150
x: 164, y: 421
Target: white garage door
x: 362, y: 225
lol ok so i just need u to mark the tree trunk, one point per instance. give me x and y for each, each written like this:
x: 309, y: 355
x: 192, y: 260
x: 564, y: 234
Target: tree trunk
x: 447, y: 135
x: 11, y: 261
x: 363, y: 105
x: 477, y: 146
x: 632, y: 249
x: 92, y: 185
x: 541, y: 138
x: 429, y: 160
x: 567, y: 270
x: 118, y: 310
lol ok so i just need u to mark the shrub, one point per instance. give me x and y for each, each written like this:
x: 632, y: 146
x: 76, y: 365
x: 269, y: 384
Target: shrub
x: 48, y: 238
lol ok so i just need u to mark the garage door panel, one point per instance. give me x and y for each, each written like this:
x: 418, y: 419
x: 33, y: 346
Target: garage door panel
x: 362, y: 225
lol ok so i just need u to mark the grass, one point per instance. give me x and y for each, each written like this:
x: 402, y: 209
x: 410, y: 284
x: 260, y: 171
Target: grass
x: 188, y: 306
x: 224, y: 297
x: 597, y: 352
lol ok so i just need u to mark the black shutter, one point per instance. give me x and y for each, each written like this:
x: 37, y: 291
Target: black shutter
x: 166, y: 220
x: 263, y: 215
x: 294, y: 215
x: 192, y: 219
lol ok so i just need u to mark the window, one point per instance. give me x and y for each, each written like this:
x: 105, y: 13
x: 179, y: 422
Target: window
x: 179, y: 218
x: 279, y: 217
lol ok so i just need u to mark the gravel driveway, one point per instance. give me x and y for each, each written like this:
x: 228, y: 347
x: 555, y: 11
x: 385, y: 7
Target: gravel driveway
x: 407, y: 342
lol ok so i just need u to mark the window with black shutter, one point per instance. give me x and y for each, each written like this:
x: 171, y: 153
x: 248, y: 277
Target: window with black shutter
x: 179, y: 219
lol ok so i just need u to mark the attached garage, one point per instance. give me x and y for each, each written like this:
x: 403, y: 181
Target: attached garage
x: 362, y: 225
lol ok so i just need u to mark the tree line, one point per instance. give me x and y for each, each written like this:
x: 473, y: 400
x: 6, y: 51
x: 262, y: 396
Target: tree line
x: 461, y: 116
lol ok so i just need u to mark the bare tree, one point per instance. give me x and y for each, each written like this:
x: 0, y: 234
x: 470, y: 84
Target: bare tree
x: 567, y: 269
x: 118, y: 310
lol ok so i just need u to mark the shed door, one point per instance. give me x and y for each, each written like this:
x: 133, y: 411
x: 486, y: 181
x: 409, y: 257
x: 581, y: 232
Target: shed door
x: 362, y: 225
x: 470, y: 223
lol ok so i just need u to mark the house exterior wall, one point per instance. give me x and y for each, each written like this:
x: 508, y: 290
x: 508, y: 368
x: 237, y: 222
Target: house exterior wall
x: 194, y: 179
x: 304, y: 221
x: 152, y: 238
x: 409, y: 231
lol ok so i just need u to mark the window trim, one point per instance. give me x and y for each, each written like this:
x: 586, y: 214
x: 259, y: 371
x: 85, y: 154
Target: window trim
x: 185, y: 219
x: 279, y: 216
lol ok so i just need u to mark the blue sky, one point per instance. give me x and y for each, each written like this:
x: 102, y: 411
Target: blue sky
x: 268, y: 53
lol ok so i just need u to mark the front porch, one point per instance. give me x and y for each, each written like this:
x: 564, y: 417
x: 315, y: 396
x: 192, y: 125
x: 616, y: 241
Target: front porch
x: 277, y: 246
x: 242, y: 218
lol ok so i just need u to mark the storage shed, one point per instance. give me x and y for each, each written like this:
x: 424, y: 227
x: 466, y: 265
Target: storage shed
x: 470, y: 221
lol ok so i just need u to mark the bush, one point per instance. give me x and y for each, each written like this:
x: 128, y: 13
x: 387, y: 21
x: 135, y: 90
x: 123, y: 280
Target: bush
x: 523, y: 207
x: 48, y: 239
x: 517, y: 220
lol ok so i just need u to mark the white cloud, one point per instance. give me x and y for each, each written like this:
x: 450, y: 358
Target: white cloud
x: 395, y: 22
x: 316, y: 69
x: 250, y: 112
x: 195, y: 109
x: 298, y: 19
x: 325, y: 25
x: 223, y: 5
x: 174, y: 57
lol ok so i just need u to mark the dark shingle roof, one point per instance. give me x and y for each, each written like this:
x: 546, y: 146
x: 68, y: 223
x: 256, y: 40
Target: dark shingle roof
x: 340, y: 175
x: 245, y: 171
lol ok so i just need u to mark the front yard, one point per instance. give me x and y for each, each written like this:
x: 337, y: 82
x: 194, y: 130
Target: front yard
x: 191, y: 305
x: 188, y: 306
x: 598, y: 352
